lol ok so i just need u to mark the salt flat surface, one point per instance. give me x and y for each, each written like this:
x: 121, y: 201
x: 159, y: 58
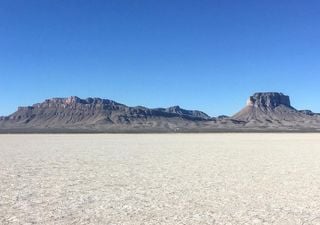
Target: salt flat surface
x: 160, y: 179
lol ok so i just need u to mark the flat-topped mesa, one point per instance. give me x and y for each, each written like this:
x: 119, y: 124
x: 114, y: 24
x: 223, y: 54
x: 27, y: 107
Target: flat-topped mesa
x: 69, y: 100
x: 73, y: 101
x: 268, y: 100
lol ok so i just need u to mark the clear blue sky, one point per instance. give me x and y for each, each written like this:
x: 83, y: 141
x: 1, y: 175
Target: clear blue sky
x: 207, y: 55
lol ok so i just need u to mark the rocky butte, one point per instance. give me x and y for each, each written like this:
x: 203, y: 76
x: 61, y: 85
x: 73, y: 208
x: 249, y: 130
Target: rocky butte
x: 267, y: 111
x: 268, y: 100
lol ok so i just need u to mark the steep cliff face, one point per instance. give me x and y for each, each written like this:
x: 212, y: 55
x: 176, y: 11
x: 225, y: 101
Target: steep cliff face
x: 268, y: 100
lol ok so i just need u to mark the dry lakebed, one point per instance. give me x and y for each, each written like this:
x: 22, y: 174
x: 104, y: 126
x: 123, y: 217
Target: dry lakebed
x: 129, y: 179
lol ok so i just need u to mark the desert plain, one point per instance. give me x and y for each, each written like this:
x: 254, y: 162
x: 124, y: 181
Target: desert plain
x: 131, y: 179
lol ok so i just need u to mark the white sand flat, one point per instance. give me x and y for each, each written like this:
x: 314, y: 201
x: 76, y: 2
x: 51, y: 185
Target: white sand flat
x: 160, y: 179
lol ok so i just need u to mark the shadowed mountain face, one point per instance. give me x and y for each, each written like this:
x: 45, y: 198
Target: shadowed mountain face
x: 263, y: 112
x: 309, y: 113
x: 183, y: 112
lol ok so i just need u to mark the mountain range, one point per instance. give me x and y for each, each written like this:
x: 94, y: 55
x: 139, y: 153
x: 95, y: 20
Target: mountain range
x: 267, y: 111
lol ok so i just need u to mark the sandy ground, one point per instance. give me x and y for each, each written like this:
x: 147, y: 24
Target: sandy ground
x: 160, y: 179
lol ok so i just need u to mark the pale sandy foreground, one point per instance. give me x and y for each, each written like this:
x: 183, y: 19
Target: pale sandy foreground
x: 160, y: 179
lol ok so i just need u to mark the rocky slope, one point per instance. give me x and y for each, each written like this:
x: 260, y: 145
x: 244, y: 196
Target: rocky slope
x: 268, y: 111
x: 100, y: 115
x: 273, y: 110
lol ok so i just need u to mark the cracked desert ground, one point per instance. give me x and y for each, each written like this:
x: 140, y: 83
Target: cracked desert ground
x: 160, y: 179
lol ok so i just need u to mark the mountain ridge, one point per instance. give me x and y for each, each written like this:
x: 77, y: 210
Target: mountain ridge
x: 263, y: 111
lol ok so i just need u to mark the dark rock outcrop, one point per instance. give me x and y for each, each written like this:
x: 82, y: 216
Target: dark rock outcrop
x: 184, y: 112
x: 309, y: 113
x: 268, y: 100
x: 223, y: 117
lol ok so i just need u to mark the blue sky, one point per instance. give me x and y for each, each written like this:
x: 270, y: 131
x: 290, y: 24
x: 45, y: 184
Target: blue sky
x: 207, y: 55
